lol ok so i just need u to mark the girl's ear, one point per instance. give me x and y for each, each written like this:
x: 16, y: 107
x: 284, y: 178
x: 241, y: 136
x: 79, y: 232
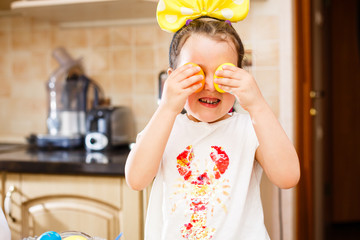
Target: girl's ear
x: 169, y: 71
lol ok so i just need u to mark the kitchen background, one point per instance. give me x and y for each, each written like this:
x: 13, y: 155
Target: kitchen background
x: 126, y: 59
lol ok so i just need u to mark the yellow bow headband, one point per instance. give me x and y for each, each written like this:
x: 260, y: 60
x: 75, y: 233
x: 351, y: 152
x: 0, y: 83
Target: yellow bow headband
x: 173, y: 14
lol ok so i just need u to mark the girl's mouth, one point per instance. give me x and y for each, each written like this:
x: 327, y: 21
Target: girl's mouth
x: 209, y: 101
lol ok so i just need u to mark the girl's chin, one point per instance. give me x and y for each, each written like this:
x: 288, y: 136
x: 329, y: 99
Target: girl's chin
x: 206, y: 118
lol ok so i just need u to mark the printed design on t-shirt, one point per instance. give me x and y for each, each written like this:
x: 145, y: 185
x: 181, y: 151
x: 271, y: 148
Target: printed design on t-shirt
x: 201, y: 189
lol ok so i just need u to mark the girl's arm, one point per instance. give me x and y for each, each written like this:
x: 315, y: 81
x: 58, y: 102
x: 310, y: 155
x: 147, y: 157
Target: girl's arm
x: 275, y: 153
x: 144, y: 159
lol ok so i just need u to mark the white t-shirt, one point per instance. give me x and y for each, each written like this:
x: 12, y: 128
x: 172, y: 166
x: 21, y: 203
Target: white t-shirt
x: 208, y: 183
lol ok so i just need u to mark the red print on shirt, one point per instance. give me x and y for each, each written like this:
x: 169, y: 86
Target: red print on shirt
x: 202, y: 190
x: 221, y: 161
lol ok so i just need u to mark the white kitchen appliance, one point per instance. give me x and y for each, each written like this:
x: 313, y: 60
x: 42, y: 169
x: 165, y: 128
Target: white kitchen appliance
x: 70, y: 95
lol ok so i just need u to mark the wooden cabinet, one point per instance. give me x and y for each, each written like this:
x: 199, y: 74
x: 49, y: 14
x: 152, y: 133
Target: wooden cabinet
x: 99, y: 206
x: 65, y: 11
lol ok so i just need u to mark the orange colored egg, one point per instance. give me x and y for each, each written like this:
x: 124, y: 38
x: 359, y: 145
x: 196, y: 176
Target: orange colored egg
x: 220, y: 68
x: 201, y: 72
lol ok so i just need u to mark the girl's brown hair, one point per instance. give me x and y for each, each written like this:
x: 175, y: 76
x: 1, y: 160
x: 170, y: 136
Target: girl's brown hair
x: 213, y: 28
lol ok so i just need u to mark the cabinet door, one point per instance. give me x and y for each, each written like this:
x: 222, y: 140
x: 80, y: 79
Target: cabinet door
x: 99, y: 206
x: 69, y: 212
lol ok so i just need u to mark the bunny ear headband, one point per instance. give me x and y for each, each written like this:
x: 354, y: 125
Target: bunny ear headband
x: 174, y: 14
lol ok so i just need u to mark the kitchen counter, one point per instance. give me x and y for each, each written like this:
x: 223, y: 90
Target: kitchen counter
x: 24, y: 159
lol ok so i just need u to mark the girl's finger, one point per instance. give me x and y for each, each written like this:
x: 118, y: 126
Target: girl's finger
x: 225, y: 73
x: 190, y: 81
x: 227, y: 82
x: 226, y: 88
x: 230, y: 72
x: 192, y: 71
x: 193, y: 88
x: 229, y: 67
x: 185, y: 71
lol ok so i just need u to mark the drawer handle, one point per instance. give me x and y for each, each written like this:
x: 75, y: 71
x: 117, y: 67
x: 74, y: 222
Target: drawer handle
x: 7, y: 202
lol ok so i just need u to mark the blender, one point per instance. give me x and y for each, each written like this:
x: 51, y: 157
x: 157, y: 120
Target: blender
x: 68, y: 102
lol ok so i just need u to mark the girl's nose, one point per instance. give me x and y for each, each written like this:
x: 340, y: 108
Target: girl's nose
x: 209, y: 84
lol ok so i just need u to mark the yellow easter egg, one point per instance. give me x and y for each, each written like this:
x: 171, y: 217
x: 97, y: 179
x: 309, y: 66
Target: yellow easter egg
x: 75, y: 237
x: 201, y: 72
x: 220, y: 68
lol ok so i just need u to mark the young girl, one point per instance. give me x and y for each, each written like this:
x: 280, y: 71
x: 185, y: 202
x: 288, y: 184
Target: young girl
x: 207, y: 163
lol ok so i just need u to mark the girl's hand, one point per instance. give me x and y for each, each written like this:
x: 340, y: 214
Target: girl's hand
x: 242, y: 85
x: 180, y: 83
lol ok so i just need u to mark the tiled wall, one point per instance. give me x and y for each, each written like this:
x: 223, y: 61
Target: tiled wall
x: 124, y: 60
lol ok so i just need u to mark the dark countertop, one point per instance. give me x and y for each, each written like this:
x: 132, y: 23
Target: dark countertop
x: 24, y: 159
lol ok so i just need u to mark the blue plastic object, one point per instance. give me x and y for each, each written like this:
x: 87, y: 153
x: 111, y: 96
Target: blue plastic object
x: 118, y: 237
x: 50, y: 235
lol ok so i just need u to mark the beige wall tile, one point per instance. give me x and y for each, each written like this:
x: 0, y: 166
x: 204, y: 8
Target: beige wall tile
x: 29, y: 90
x: 5, y: 24
x: 37, y: 24
x: 162, y: 57
x: 145, y: 35
x: 266, y: 54
x: 41, y: 39
x: 122, y: 83
x: 268, y: 81
x: 99, y: 38
x: 21, y: 127
x: 121, y: 36
x: 163, y: 38
x: 122, y: 60
x: 21, y: 65
x: 5, y: 105
x: 24, y: 116
x: 145, y: 58
x: 5, y: 65
x: 144, y: 105
x: 21, y: 40
x: 104, y: 80
x: 5, y: 89
x: 267, y: 28
x: 42, y: 71
x: 145, y: 83
x: 70, y: 38
x: 99, y: 60
x: 81, y: 54
x: 19, y: 23
x: 5, y: 41
x: 244, y: 29
x: 122, y: 100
